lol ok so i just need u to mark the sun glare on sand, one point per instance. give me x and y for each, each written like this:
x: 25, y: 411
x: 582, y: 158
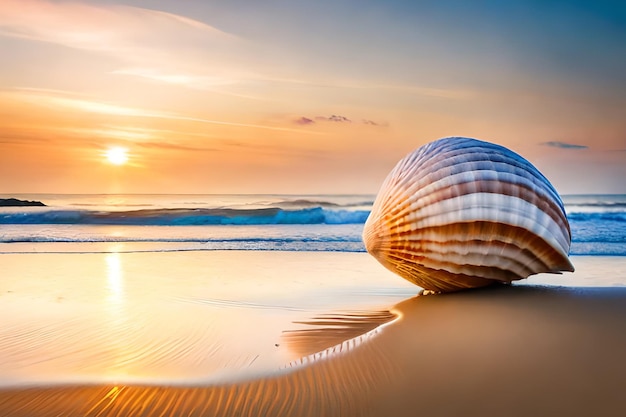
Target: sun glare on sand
x: 116, y: 155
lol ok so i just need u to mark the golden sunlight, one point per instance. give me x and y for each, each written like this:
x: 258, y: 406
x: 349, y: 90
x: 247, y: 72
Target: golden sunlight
x: 116, y: 155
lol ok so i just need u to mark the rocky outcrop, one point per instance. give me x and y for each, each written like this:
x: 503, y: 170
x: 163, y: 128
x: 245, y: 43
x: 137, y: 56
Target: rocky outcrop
x: 14, y: 202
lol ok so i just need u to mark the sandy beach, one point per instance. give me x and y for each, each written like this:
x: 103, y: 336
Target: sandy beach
x: 533, y: 349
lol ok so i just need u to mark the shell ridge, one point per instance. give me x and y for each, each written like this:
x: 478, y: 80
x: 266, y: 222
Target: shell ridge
x: 480, y: 206
x: 526, y: 257
x: 429, y: 193
x: 460, y: 261
x: 518, y: 213
x: 478, y: 148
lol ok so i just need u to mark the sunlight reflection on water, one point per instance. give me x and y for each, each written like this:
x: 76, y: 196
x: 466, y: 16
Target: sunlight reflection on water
x: 182, y: 318
x: 115, y: 278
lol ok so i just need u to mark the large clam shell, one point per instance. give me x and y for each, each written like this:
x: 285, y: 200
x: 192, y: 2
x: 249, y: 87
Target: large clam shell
x: 461, y: 213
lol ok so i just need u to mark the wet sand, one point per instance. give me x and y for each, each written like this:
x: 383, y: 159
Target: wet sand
x: 509, y: 351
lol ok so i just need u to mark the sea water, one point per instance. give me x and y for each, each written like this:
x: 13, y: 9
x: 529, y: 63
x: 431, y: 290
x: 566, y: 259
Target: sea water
x: 247, y: 222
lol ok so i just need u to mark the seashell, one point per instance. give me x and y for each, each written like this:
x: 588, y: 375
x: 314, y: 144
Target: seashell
x: 461, y: 213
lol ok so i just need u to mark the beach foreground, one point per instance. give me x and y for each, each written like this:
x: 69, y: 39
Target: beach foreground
x: 516, y: 351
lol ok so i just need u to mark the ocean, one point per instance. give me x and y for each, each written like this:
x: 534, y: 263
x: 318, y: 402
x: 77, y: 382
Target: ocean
x: 206, y: 222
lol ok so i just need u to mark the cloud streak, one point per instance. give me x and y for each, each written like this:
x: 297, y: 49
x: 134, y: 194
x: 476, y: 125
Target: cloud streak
x: 334, y: 118
x: 194, y: 81
x: 142, y: 42
x: 304, y: 121
x: 56, y: 99
x: 169, y: 146
x: 101, y: 28
x: 564, y: 145
x: 373, y: 123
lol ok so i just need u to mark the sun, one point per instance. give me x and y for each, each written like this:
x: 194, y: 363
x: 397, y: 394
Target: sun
x: 116, y: 155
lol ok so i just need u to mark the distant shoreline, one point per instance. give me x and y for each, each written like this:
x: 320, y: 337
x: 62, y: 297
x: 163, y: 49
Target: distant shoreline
x: 14, y: 202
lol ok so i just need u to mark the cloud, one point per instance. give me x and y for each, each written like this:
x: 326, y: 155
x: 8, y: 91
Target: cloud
x: 200, y: 82
x: 304, y: 121
x: 335, y: 118
x: 156, y: 45
x: 563, y: 145
x: 176, y: 147
x: 102, y: 28
x: 58, y: 99
x: 373, y: 123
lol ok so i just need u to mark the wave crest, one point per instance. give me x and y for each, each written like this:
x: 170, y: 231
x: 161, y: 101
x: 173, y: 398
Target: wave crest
x: 189, y: 217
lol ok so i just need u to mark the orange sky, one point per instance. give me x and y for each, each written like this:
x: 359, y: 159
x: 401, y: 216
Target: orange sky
x: 293, y: 97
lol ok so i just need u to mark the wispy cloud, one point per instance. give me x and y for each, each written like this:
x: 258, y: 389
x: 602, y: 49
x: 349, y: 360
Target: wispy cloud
x: 56, y: 99
x: 12, y: 136
x: 335, y: 118
x: 141, y: 42
x: 146, y: 43
x: 170, y: 146
x: 102, y: 137
x: 304, y: 121
x: 101, y: 27
x: 443, y: 93
x: 564, y: 145
x: 373, y: 123
x: 218, y: 122
x: 200, y: 82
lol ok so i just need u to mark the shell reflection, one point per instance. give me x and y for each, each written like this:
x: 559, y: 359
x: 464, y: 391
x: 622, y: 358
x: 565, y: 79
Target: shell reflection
x: 331, y: 334
x: 462, y: 213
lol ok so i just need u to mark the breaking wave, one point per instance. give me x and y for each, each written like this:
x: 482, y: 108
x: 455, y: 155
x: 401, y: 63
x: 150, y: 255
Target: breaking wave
x: 188, y: 217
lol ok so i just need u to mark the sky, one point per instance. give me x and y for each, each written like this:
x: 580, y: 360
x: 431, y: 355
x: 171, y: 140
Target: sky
x: 303, y: 97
